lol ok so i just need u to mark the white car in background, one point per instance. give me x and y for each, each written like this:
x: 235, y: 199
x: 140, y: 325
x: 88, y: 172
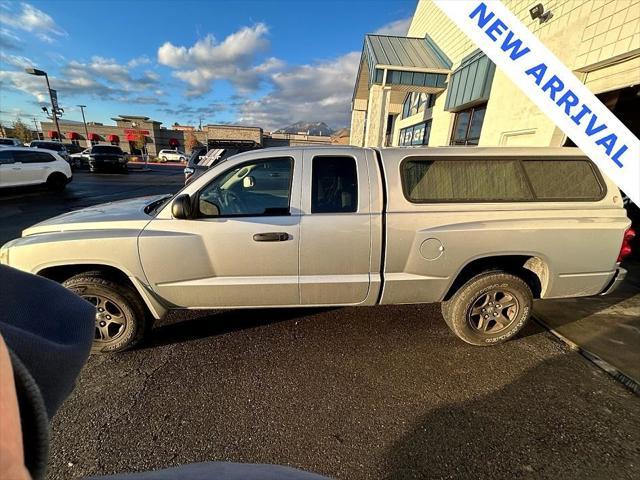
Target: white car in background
x: 172, y: 156
x: 20, y: 166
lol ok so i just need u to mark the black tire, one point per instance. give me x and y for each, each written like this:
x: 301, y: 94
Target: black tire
x: 489, y: 309
x: 57, y: 182
x: 122, y: 322
x: 163, y: 159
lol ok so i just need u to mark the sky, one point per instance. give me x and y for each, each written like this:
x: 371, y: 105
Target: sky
x: 261, y: 63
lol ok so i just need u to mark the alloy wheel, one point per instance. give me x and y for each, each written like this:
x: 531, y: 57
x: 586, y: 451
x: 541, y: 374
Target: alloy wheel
x: 493, y: 311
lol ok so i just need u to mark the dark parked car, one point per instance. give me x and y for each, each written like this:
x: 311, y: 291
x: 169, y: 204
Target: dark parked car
x: 57, y: 147
x: 107, y: 157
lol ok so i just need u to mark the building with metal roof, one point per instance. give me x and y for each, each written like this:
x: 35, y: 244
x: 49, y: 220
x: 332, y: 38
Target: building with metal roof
x: 435, y: 87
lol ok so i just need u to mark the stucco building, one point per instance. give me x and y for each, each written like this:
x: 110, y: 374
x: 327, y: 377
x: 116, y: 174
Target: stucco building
x: 130, y: 130
x: 435, y: 87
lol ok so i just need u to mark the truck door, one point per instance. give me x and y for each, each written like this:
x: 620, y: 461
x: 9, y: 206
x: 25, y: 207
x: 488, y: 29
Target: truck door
x: 242, y: 248
x: 335, y: 228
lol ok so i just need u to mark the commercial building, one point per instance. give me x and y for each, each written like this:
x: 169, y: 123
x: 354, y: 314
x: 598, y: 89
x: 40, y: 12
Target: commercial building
x: 131, y: 131
x: 435, y: 87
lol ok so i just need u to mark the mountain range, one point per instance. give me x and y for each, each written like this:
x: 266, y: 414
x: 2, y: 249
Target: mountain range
x: 308, y: 128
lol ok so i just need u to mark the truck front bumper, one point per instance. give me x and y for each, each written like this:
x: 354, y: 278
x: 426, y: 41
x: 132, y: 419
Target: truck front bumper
x: 618, y: 278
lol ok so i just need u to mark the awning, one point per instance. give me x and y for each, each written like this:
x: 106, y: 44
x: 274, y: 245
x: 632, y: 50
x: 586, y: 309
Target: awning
x: 72, y: 136
x: 113, y: 138
x: 52, y: 134
x: 403, y: 64
x: 173, y: 142
x: 94, y: 137
x: 470, y: 83
x: 132, y: 137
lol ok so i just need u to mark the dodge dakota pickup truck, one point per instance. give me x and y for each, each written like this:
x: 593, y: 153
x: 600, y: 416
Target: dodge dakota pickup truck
x: 482, y: 230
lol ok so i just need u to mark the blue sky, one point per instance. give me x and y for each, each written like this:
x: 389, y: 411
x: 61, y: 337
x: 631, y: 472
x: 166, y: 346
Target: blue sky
x: 264, y: 63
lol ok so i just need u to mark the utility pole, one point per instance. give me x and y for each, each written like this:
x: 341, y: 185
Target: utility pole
x: 86, y: 131
x: 35, y: 124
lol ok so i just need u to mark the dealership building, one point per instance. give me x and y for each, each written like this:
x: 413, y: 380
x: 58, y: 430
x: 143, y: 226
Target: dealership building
x: 130, y: 131
x: 435, y: 87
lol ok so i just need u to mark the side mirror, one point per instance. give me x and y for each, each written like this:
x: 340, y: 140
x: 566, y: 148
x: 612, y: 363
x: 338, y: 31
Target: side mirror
x: 181, y: 207
x: 248, y: 182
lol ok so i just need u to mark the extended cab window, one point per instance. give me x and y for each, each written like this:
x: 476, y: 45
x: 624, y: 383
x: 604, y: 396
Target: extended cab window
x: 563, y: 180
x: 334, y: 186
x: 6, y: 157
x: 259, y: 187
x: 463, y: 181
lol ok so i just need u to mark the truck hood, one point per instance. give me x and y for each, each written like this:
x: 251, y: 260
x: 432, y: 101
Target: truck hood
x: 123, y: 214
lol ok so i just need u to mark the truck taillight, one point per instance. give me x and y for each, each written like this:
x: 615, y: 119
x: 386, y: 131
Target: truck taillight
x: 625, y: 248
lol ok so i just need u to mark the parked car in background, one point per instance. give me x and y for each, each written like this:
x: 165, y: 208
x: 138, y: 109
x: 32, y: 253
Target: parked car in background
x: 107, y: 157
x: 10, y: 142
x: 484, y: 231
x: 200, y: 161
x: 80, y: 159
x: 20, y: 166
x: 73, y: 148
x: 172, y: 156
x: 57, y: 147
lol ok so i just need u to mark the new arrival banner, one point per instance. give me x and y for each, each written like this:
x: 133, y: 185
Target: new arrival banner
x: 552, y: 87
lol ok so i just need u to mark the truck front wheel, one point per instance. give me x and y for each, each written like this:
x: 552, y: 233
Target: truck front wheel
x: 489, y: 309
x: 120, y: 316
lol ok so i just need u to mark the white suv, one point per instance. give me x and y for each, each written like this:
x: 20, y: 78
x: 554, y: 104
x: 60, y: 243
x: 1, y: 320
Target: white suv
x: 172, y: 156
x: 27, y: 166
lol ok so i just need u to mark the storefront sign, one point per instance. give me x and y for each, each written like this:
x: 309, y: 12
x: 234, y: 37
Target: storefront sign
x: 552, y: 87
x: 130, y: 131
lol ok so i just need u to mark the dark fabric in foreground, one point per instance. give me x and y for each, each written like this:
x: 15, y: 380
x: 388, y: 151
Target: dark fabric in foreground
x: 48, y: 331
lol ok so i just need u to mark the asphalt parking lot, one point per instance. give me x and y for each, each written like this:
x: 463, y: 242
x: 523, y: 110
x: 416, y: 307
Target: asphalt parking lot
x: 353, y: 393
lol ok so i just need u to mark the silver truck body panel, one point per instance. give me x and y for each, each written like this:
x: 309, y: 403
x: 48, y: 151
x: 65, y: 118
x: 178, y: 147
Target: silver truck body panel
x: 388, y: 251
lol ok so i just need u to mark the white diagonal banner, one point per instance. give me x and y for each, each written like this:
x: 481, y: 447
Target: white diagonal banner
x: 552, y: 87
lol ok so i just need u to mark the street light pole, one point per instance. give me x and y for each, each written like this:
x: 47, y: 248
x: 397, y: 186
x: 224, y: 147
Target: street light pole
x: 54, y: 110
x: 86, y: 132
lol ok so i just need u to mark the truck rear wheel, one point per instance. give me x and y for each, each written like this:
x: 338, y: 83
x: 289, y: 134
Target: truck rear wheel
x: 489, y: 309
x: 120, y: 315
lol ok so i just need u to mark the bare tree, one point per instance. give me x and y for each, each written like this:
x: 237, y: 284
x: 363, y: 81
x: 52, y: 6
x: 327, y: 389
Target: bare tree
x: 21, y: 131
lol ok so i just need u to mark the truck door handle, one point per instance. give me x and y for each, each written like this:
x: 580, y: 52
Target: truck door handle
x: 271, y: 237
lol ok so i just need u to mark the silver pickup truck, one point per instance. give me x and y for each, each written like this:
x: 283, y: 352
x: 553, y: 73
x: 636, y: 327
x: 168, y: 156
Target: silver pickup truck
x: 482, y: 230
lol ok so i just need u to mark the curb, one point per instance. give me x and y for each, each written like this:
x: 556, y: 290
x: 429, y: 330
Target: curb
x: 625, y: 380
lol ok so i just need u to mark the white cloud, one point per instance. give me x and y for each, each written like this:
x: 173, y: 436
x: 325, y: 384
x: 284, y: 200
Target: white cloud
x: 100, y: 77
x: 15, y: 60
x: 316, y: 92
x: 397, y: 27
x: 28, y: 18
x: 232, y: 59
x: 9, y: 40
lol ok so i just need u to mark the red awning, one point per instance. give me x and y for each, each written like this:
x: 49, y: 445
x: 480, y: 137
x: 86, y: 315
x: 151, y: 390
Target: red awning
x: 73, y: 136
x: 94, y: 137
x: 52, y: 134
x: 132, y: 137
x: 173, y: 142
x: 113, y: 138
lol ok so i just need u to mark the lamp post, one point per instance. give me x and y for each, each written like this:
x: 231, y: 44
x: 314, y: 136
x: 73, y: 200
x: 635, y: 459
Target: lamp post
x: 42, y: 73
x: 86, y: 132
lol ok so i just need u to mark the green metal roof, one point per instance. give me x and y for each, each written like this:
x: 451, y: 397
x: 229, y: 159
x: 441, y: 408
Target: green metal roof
x: 404, y: 52
x: 471, y: 82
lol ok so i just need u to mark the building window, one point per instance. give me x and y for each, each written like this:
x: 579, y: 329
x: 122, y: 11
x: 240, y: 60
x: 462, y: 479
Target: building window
x: 467, y: 126
x: 417, y: 134
x: 415, y: 103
